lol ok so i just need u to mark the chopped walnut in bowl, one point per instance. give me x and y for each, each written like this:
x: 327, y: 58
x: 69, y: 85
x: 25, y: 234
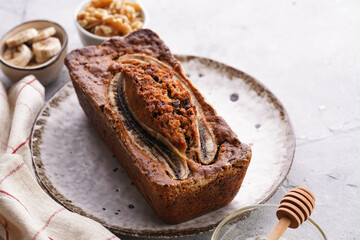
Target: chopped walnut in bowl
x: 98, y: 20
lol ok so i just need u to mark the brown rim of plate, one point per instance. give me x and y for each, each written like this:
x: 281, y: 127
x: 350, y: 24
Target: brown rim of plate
x: 255, y: 85
x: 43, y: 65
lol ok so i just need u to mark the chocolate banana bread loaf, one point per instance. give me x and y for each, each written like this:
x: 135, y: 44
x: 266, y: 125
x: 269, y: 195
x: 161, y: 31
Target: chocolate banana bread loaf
x: 182, y: 156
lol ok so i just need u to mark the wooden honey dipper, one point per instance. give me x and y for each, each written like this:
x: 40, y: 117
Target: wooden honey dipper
x: 295, y: 208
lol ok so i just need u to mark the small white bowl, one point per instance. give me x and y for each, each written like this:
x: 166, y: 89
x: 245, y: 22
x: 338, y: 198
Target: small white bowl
x: 45, y: 72
x: 88, y: 38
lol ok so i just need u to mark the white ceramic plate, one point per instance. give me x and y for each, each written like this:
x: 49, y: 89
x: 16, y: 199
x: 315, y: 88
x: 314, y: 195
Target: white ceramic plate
x: 78, y: 170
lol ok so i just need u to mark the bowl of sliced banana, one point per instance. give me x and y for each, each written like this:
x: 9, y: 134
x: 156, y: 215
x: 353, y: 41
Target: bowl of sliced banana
x: 36, y: 47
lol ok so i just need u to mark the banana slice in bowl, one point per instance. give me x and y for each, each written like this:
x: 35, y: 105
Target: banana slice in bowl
x: 44, y: 34
x: 18, y: 56
x: 46, y: 49
x: 36, y: 47
x: 22, y: 37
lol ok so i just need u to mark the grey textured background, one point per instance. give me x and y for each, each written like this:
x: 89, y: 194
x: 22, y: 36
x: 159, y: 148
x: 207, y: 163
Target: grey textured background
x: 306, y: 52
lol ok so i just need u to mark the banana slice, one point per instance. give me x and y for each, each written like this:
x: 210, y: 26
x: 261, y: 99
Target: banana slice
x: 44, y: 33
x: 45, y: 49
x: 22, y: 37
x: 8, y: 54
x: 19, y: 56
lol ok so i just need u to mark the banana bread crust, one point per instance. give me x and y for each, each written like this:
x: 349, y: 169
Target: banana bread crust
x: 209, y: 186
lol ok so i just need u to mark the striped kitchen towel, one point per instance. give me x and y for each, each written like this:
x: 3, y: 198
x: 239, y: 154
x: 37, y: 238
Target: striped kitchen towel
x: 26, y: 211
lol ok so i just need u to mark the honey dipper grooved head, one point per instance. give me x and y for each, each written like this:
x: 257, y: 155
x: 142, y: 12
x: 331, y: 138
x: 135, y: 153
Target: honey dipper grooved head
x: 297, y: 205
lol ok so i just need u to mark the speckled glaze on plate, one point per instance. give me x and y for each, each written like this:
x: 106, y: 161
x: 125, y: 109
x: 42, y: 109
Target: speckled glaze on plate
x: 75, y: 167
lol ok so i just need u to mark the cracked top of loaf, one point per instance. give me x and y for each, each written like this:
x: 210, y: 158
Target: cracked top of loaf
x: 94, y: 67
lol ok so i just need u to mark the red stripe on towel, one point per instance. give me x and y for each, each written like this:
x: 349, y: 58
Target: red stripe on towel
x: 12, y: 172
x: 47, y: 223
x: 22, y: 144
x: 26, y: 84
x: 1, y: 191
x: 111, y: 238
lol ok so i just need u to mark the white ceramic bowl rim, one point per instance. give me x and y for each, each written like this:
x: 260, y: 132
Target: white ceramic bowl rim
x: 226, y: 219
x: 41, y: 66
x: 82, y: 5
